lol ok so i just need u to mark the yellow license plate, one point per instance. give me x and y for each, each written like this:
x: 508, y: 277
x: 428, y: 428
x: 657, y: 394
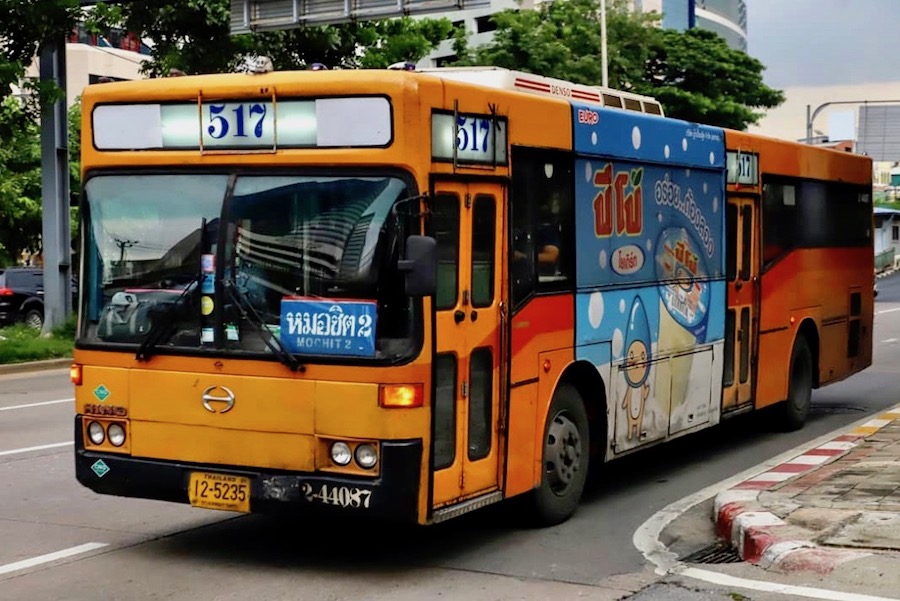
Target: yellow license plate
x: 219, y: 491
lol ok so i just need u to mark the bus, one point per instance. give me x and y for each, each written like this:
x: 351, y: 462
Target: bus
x: 406, y: 295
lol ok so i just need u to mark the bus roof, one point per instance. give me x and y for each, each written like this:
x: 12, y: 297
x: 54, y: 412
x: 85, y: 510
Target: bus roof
x: 506, y: 79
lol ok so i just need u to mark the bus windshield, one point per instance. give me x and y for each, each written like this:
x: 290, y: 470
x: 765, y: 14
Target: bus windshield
x: 207, y: 261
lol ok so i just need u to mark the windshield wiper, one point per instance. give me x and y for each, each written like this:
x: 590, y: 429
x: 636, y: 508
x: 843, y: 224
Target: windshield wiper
x: 163, y: 322
x: 249, y: 313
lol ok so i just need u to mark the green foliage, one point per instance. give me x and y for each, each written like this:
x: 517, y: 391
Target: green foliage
x: 694, y: 74
x: 20, y: 178
x: 698, y: 77
x: 20, y: 181
x: 25, y: 26
x: 194, y: 37
x: 19, y: 343
x: 562, y: 39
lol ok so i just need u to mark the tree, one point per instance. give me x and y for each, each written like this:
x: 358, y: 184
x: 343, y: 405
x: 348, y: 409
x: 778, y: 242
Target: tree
x: 20, y: 181
x: 562, y: 39
x: 698, y: 77
x: 695, y: 75
x: 194, y: 37
x: 25, y: 26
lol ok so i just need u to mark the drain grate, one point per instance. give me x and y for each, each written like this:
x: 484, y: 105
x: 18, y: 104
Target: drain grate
x: 715, y: 553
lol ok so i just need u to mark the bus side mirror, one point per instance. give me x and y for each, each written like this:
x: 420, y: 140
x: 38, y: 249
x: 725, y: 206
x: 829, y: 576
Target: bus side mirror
x: 420, y: 265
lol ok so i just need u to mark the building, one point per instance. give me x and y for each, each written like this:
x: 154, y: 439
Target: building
x: 887, y: 237
x: 92, y: 58
x: 728, y: 18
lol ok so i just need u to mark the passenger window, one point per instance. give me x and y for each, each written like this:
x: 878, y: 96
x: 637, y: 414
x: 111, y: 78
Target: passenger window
x: 543, y: 228
x: 445, y: 221
x: 483, y: 236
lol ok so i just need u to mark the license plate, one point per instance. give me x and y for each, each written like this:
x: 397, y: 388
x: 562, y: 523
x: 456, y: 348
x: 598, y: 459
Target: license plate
x: 219, y: 491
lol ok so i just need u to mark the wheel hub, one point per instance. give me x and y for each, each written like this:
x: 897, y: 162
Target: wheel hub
x: 562, y: 453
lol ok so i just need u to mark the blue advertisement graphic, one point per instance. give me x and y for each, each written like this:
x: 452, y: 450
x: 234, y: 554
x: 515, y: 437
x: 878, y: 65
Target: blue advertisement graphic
x: 342, y: 328
x: 623, y: 209
x: 649, y: 220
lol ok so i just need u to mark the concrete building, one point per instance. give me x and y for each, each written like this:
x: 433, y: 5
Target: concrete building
x: 89, y: 58
x: 728, y: 18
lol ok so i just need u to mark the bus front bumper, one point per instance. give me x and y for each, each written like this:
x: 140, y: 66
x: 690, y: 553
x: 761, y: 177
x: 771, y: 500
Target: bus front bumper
x: 392, y: 496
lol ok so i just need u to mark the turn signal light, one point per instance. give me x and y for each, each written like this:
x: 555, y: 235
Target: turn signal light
x: 75, y: 374
x: 401, y: 396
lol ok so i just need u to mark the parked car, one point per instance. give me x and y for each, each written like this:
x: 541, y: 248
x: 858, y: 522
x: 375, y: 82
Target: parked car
x: 22, y: 296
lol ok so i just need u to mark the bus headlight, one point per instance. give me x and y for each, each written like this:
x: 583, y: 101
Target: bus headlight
x: 366, y: 456
x: 116, y: 435
x: 340, y: 453
x: 95, y: 433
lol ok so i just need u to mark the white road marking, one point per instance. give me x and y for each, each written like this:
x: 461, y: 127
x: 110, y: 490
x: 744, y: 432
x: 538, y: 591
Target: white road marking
x: 36, y: 561
x: 887, y: 311
x: 28, y: 406
x: 646, y: 537
x: 889, y: 340
x: 774, y: 587
x: 37, y: 448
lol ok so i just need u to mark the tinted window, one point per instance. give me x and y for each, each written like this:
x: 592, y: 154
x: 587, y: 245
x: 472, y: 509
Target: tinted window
x: 543, y: 233
x: 483, y: 228
x: 812, y: 214
x: 445, y: 221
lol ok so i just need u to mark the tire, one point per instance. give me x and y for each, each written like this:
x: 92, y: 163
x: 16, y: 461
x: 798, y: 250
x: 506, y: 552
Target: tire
x: 34, y: 318
x: 565, y: 458
x: 795, y: 409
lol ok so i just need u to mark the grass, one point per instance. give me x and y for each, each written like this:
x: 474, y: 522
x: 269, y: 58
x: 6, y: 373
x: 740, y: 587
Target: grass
x: 19, y: 343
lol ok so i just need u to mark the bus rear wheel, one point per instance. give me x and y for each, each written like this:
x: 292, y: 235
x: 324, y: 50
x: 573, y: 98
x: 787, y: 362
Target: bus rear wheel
x: 795, y: 409
x: 565, y: 459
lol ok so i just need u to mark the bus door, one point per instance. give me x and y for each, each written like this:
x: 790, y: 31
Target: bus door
x: 467, y: 223
x: 742, y: 272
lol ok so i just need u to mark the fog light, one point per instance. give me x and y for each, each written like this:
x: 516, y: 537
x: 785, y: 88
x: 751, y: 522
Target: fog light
x: 116, y: 435
x: 95, y: 432
x: 366, y: 456
x: 340, y: 453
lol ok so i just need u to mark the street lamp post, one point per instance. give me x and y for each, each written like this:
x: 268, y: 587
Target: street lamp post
x: 603, y: 59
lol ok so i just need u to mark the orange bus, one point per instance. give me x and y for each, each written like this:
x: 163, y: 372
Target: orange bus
x: 407, y: 295
x: 799, y: 230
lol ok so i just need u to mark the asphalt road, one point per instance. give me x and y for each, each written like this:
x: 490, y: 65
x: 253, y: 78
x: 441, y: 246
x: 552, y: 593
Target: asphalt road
x: 155, y: 550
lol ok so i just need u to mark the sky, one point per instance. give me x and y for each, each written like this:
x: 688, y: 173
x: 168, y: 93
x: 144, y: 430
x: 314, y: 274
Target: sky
x: 825, y: 42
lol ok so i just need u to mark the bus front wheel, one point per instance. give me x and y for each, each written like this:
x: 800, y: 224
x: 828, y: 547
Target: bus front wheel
x: 565, y: 458
x: 796, y: 407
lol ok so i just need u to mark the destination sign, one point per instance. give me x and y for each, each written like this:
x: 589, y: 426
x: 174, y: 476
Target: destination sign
x: 247, y: 124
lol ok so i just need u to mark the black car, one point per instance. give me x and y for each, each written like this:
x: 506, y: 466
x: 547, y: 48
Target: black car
x: 22, y: 296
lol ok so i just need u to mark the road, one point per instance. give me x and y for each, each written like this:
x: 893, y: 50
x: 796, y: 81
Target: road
x: 152, y: 550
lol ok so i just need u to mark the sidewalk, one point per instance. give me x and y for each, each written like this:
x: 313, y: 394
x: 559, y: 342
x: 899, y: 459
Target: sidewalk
x: 836, y: 506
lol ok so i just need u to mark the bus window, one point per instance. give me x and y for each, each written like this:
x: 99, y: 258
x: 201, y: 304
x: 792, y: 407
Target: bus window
x: 542, y: 198
x: 483, y: 217
x: 779, y: 214
x: 445, y: 223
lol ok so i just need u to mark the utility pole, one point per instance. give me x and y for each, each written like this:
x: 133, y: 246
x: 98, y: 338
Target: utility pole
x: 603, y: 57
x: 123, y: 244
x: 55, y: 235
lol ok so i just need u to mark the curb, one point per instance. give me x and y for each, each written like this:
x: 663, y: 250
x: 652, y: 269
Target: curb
x: 17, y: 368
x: 761, y: 537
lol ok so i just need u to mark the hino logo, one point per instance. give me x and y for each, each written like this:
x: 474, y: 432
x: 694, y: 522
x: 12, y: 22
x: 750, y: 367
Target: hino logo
x: 209, y: 397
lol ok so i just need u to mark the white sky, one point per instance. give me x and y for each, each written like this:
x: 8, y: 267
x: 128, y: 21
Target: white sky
x: 825, y: 42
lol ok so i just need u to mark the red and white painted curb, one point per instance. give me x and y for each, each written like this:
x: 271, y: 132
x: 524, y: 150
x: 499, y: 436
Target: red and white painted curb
x: 761, y: 537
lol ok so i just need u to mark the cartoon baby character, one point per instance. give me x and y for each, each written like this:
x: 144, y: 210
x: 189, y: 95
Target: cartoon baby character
x: 637, y: 368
